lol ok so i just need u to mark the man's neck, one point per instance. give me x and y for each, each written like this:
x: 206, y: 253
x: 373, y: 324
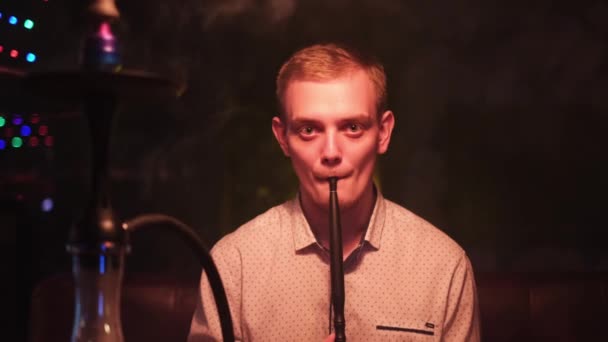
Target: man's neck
x: 354, y: 220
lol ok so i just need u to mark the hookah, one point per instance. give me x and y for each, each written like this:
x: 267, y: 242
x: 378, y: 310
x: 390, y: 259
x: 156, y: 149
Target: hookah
x: 98, y: 241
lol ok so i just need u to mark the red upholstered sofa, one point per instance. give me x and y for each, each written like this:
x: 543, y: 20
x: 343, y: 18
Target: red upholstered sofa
x: 514, y: 307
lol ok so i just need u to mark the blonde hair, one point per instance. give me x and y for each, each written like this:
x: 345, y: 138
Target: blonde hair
x: 325, y: 62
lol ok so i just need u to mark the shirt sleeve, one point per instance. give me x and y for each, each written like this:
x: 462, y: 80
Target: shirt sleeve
x: 205, y: 325
x: 462, y: 316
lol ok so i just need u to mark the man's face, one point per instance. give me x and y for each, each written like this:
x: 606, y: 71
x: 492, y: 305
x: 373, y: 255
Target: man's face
x: 331, y: 129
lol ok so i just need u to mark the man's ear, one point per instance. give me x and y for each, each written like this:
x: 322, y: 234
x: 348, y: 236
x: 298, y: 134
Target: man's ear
x: 387, y: 122
x: 280, y: 133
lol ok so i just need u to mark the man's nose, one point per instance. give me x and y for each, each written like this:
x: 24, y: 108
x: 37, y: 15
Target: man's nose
x: 331, y: 154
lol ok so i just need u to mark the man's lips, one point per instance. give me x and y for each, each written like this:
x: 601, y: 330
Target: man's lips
x: 325, y: 177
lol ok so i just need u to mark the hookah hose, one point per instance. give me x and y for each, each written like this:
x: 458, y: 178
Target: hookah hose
x: 336, y: 267
x: 192, y: 239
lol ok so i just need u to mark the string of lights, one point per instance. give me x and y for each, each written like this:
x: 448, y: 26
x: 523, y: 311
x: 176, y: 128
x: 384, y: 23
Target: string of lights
x: 13, y: 52
x: 19, y: 34
x: 18, y: 131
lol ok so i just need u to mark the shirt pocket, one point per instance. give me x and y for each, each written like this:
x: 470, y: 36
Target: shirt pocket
x: 406, y: 330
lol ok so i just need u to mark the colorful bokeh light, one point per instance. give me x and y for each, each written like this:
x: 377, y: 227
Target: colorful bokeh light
x: 47, y: 204
x: 30, y: 57
x: 17, y: 142
x: 34, y: 141
x: 18, y: 130
x: 26, y: 131
x: 43, y: 130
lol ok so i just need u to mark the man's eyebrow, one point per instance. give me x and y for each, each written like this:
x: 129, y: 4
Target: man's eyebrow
x: 363, y: 118
x: 299, y: 121
x: 360, y: 117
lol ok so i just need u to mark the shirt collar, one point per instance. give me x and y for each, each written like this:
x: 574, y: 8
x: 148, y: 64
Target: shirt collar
x: 302, y: 233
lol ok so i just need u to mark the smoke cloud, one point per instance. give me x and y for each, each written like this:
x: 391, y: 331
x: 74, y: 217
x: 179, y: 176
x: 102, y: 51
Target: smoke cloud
x: 268, y: 11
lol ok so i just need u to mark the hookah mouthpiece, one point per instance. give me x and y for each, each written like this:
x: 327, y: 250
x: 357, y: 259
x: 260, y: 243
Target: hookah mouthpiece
x: 336, y: 266
x: 333, y: 183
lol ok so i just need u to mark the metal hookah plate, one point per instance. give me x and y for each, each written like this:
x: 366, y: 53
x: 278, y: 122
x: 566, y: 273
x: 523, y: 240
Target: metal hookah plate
x: 125, y: 85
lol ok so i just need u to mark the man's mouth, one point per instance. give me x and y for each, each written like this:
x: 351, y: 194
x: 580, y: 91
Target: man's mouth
x: 325, y: 178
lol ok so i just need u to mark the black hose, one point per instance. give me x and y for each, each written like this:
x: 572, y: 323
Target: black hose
x: 195, y: 242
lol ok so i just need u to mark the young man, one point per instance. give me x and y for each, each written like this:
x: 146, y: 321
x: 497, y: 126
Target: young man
x: 404, y: 279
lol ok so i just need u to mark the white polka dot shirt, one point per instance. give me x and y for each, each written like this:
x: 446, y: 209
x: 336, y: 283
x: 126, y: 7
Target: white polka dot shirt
x: 408, y: 281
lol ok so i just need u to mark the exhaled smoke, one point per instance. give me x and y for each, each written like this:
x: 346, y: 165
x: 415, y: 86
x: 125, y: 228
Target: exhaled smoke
x: 269, y: 11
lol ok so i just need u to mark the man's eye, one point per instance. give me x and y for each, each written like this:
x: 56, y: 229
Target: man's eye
x: 354, y: 130
x: 307, y: 130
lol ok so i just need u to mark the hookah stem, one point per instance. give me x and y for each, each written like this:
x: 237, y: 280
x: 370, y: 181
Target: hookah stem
x: 336, y: 267
x: 99, y: 109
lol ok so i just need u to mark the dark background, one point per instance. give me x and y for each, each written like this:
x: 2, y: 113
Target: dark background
x: 501, y: 109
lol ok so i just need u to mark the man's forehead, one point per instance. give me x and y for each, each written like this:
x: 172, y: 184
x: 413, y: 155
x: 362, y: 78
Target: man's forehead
x: 338, y: 92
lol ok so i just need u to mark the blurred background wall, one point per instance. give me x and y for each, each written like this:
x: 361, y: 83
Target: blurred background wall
x: 501, y: 110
